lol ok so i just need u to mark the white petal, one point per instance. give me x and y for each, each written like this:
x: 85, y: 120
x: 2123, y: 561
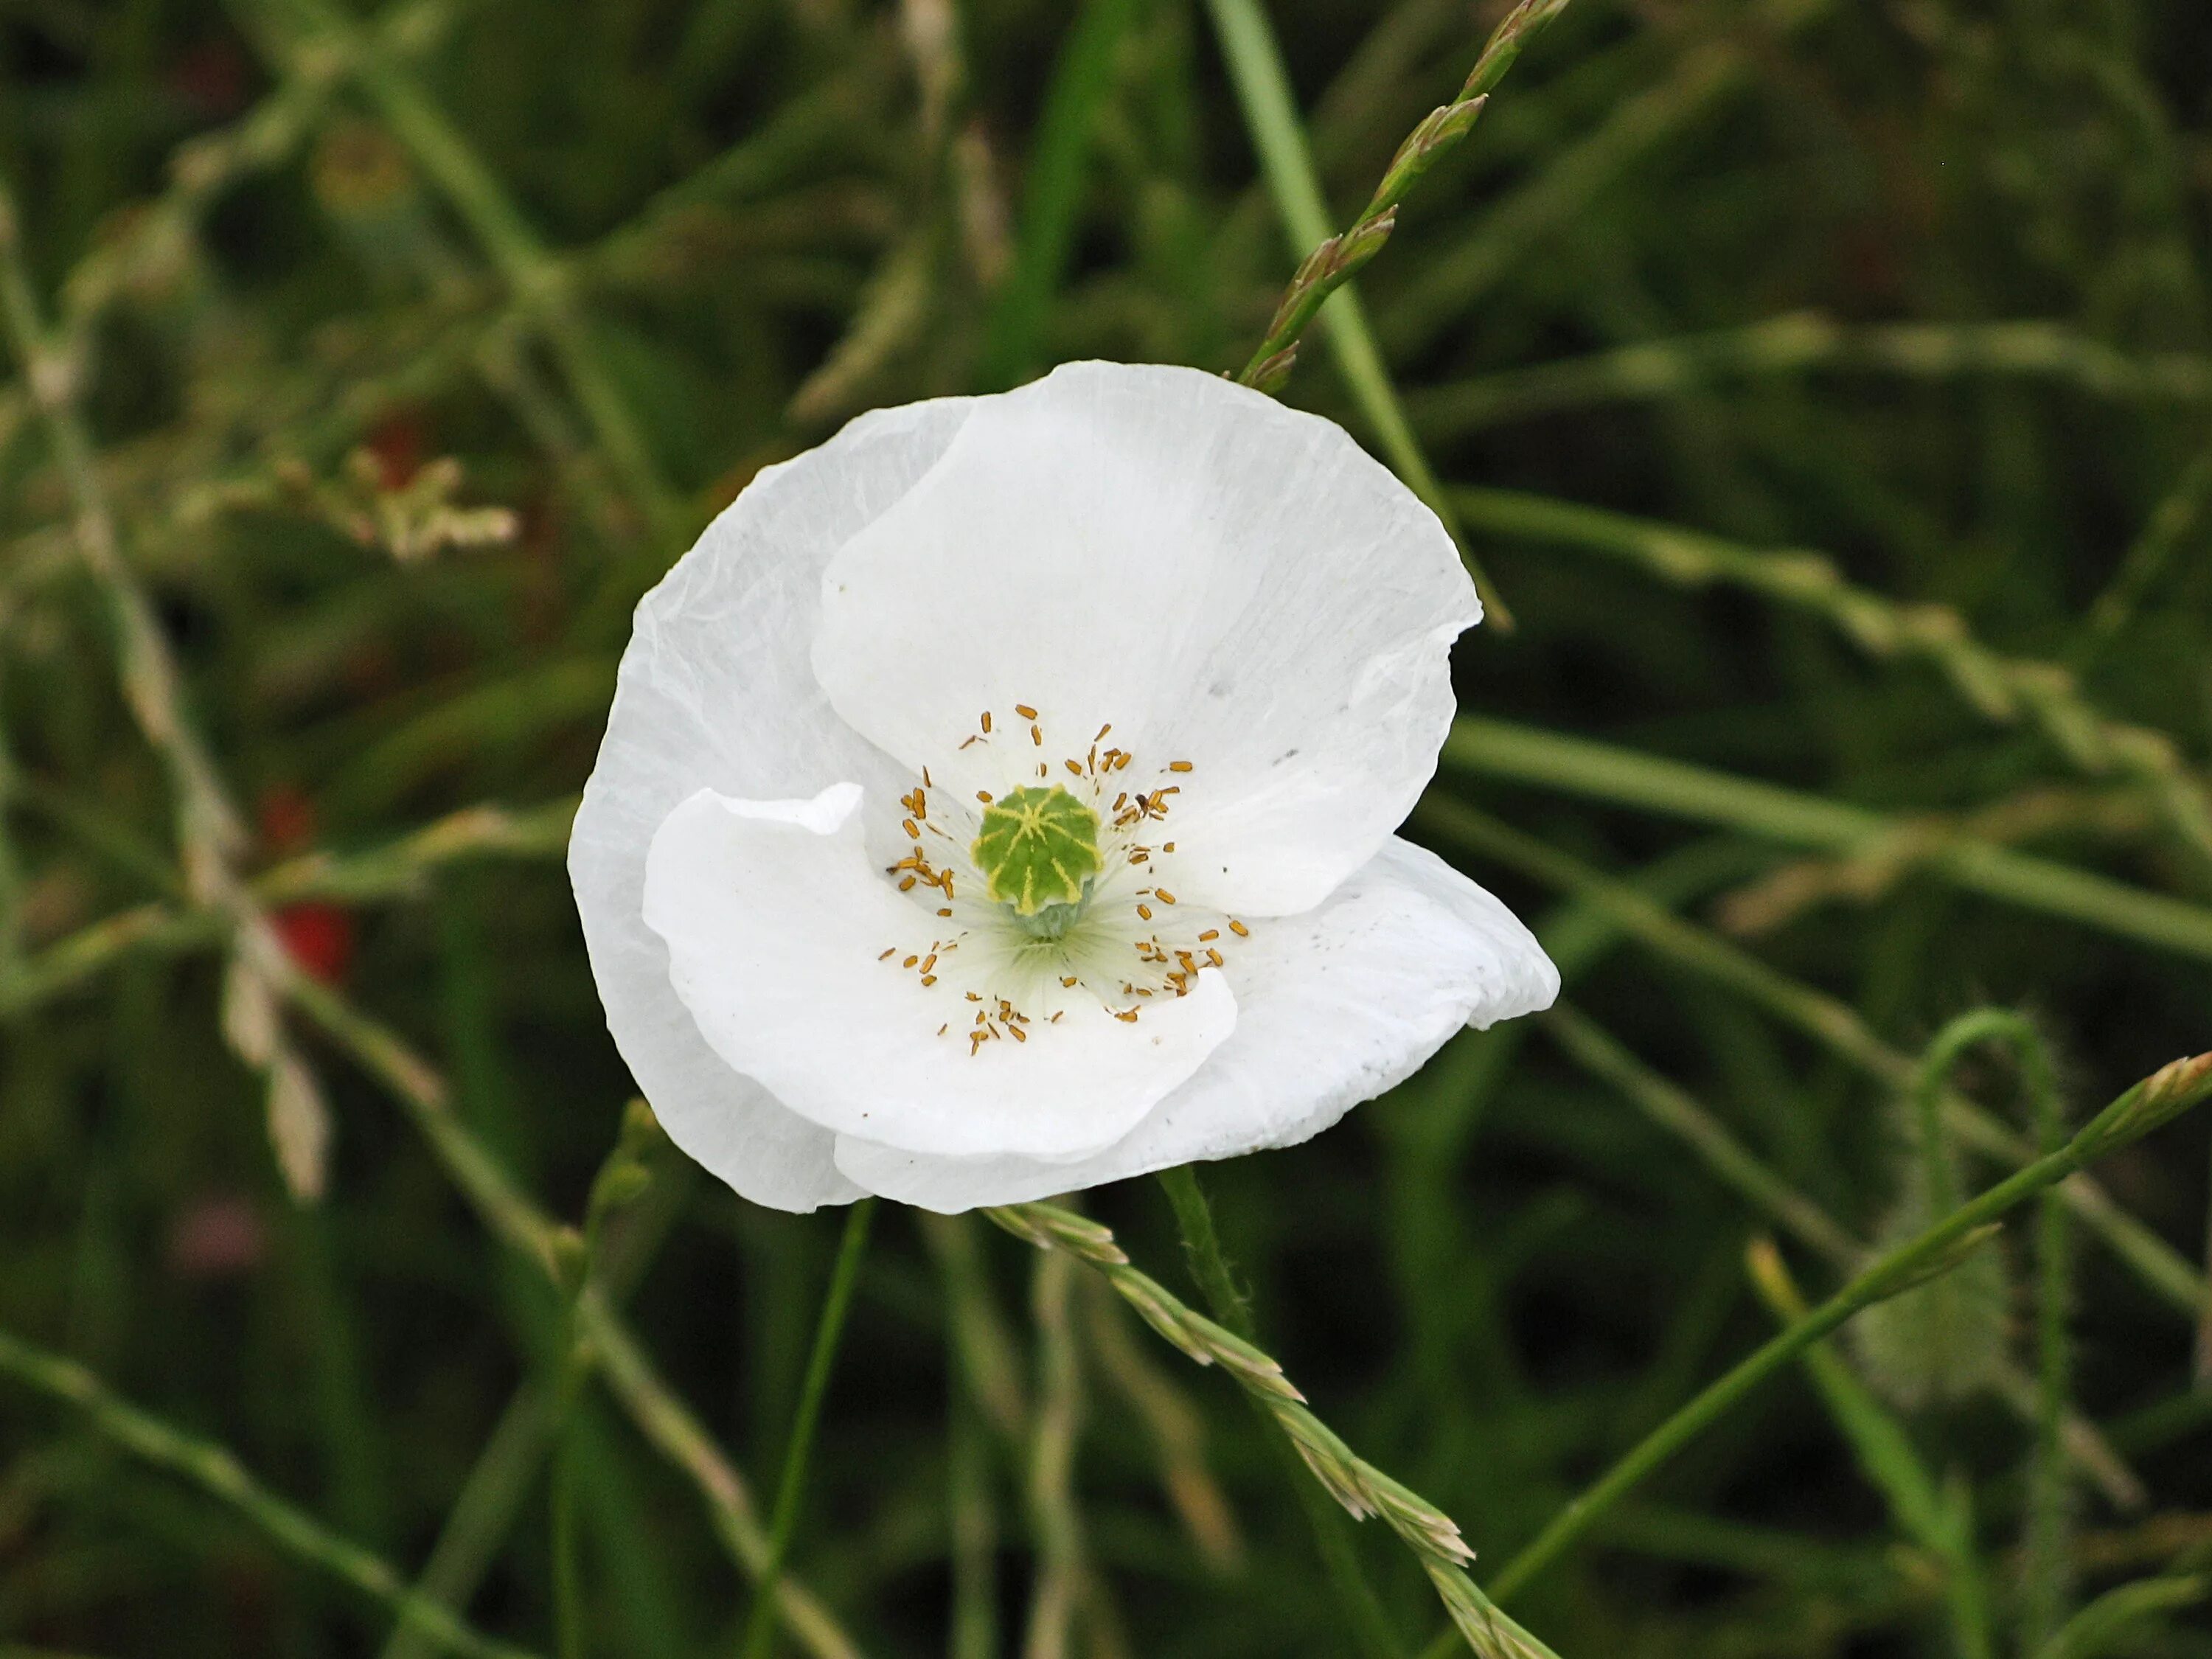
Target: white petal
x: 774, y: 914
x: 716, y: 691
x: 1333, y: 1008
x: 1228, y: 582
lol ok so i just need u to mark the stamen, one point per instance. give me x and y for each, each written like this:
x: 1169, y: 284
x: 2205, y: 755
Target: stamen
x: 1179, y: 766
x: 1025, y: 711
x: 1164, y: 895
x: 987, y: 722
x: 1209, y: 935
x: 1102, y: 731
x: 1037, y: 736
x: 914, y: 832
x: 888, y: 954
x: 1239, y: 928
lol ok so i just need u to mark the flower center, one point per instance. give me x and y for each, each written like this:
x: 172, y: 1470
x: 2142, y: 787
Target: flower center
x: 1047, y: 896
x: 1037, y: 854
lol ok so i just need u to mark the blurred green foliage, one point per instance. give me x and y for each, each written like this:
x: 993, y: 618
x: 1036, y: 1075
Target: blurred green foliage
x: 407, y: 350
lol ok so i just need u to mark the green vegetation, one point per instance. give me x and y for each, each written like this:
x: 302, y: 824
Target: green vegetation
x: 1824, y: 393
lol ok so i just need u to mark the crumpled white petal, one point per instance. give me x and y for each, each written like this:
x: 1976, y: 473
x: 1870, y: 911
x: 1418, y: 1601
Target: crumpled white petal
x: 716, y: 691
x: 774, y: 914
x: 1335, y: 1007
x: 1232, y: 585
x: 1224, y: 581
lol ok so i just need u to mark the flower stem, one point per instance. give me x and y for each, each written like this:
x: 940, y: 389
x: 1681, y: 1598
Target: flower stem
x: 761, y: 1622
x: 568, y: 1616
x: 1936, y: 1250
x: 1051, y: 1474
x: 1209, y: 1266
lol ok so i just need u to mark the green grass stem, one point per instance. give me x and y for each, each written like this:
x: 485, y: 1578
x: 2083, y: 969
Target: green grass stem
x: 1653, y: 783
x: 791, y: 1486
x: 1941, y: 1247
x: 1271, y: 117
x: 212, y: 1470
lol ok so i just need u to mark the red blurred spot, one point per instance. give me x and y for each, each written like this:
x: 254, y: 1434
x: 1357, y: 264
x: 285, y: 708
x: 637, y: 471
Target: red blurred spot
x: 215, y: 1238
x: 211, y: 78
x: 319, y: 937
x: 287, y: 819
x: 397, y: 443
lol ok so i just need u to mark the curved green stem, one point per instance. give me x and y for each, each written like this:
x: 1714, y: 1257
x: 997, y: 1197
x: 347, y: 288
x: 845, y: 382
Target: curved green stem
x: 1968, y: 1031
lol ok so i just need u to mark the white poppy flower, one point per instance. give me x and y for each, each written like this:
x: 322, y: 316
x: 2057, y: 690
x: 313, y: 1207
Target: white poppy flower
x: 998, y: 800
